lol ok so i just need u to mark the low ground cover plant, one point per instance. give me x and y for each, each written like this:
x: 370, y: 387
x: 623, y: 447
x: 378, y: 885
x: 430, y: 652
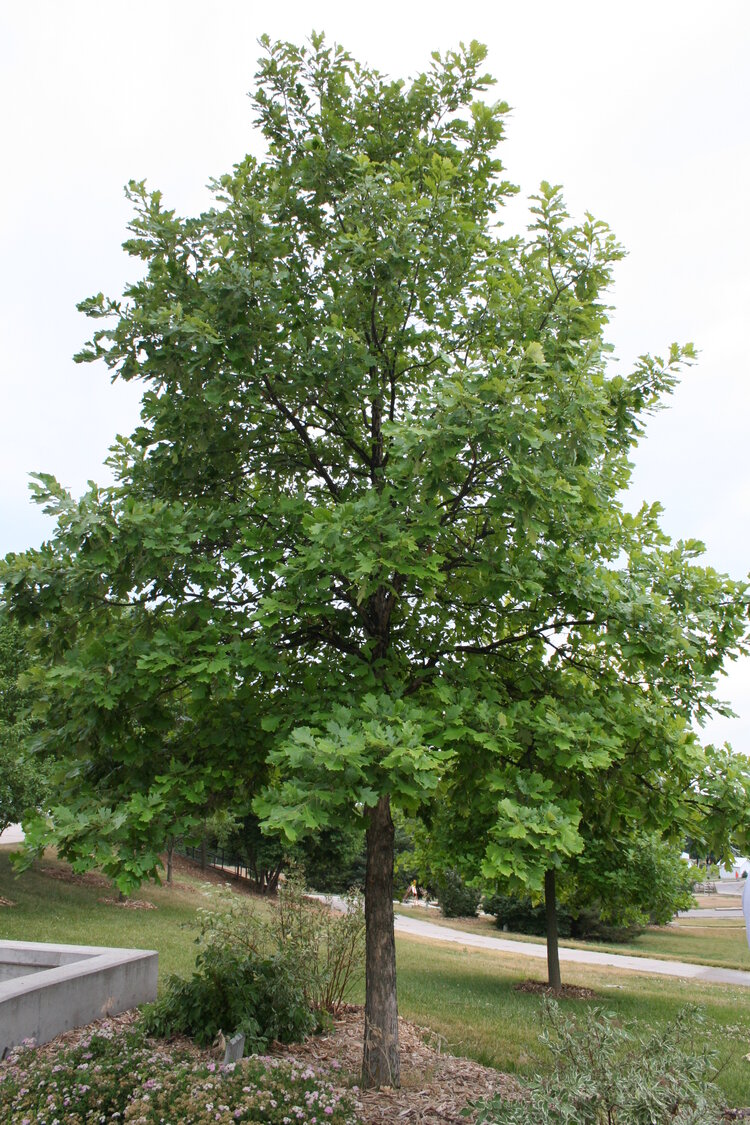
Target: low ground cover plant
x: 604, y: 1074
x: 111, y: 1076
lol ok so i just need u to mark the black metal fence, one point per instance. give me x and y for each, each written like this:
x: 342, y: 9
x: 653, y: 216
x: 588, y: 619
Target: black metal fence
x: 217, y: 858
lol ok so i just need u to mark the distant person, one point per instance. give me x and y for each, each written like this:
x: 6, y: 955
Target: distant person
x: 412, y: 894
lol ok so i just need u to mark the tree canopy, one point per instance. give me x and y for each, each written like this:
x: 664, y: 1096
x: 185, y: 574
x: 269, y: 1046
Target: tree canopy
x: 23, y: 782
x: 368, y: 534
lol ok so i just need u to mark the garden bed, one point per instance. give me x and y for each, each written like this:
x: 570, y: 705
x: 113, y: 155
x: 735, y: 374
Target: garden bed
x: 435, y: 1085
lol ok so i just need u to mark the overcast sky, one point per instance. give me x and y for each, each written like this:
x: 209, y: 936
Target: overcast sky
x: 639, y: 109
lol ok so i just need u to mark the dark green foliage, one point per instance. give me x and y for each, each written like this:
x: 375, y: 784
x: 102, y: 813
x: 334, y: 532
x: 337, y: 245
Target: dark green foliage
x: 264, y: 856
x: 519, y: 915
x: 334, y: 859
x: 455, y: 898
x: 23, y: 779
x: 604, y: 1074
x: 611, y: 893
x: 230, y: 992
x: 619, y: 886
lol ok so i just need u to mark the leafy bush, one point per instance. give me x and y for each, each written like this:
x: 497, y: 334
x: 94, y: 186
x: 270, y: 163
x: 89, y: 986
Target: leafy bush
x: 605, y: 1075
x: 323, y: 951
x: 589, y: 925
x: 521, y: 916
x: 626, y: 886
x: 232, y: 992
x: 455, y: 898
x: 334, y: 859
x: 115, y: 1076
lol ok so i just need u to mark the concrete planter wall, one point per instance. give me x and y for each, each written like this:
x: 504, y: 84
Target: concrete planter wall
x: 48, y: 989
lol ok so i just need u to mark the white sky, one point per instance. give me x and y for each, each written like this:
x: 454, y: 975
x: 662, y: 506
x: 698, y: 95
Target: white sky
x: 639, y: 109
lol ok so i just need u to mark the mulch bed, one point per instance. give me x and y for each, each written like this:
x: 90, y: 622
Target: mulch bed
x: 65, y: 874
x: 567, y: 992
x: 130, y: 903
x: 435, y: 1086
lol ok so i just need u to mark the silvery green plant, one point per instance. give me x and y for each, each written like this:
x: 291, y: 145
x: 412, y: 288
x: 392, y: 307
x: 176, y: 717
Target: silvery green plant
x: 605, y: 1074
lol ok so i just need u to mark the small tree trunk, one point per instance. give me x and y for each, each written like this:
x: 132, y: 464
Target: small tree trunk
x: 553, y: 949
x: 170, y: 850
x: 204, y: 863
x: 380, y: 1062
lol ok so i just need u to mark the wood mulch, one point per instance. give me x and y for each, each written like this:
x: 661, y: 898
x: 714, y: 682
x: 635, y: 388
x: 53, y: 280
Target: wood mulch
x: 64, y: 873
x: 565, y: 992
x: 130, y: 903
x: 435, y: 1086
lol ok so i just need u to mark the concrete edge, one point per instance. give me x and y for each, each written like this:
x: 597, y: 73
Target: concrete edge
x: 87, y: 966
x: 102, y: 982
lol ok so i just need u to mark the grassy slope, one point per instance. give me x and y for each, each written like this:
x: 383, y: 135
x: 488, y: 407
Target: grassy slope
x: 48, y: 909
x: 713, y: 941
x: 465, y: 995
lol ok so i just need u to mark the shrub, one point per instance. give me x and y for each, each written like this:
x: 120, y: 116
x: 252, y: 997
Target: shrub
x: 327, y: 948
x: 231, y: 992
x: 589, y: 925
x: 455, y: 898
x: 322, y: 950
x: 605, y: 1075
x: 616, y: 889
x: 118, y: 1077
x: 521, y: 916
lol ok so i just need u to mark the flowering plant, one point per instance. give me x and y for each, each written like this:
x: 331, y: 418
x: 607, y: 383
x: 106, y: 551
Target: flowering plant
x: 118, y: 1077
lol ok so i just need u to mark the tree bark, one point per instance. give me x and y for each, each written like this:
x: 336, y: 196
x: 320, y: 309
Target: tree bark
x: 553, y: 950
x: 380, y: 1062
x: 170, y: 852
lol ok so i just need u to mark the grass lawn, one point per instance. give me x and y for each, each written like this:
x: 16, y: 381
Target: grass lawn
x: 468, y: 996
x: 50, y: 909
x: 710, y: 941
x: 465, y: 995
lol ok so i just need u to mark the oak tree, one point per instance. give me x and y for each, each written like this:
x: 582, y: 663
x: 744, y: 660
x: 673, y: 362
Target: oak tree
x: 376, y: 475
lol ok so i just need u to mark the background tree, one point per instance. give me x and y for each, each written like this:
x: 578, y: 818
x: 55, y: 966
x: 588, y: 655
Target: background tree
x: 616, y: 888
x: 377, y: 472
x: 607, y: 765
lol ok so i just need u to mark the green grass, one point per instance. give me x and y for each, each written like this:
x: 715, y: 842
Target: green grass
x: 712, y: 941
x: 467, y: 996
x: 48, y: 909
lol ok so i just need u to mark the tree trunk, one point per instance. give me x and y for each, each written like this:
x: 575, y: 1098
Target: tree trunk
x: 380, y: 1062
x: 170, y: 851
x: 204, y: 861
x: 553, y: 950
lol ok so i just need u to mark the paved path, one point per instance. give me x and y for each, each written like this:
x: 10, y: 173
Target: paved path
x: 653, y: 965
x: 713, y: 912
x: 12, y: 835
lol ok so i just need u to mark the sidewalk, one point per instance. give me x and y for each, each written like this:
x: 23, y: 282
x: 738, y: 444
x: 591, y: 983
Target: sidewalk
x: 415, y: 927
x: 13, y: 834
